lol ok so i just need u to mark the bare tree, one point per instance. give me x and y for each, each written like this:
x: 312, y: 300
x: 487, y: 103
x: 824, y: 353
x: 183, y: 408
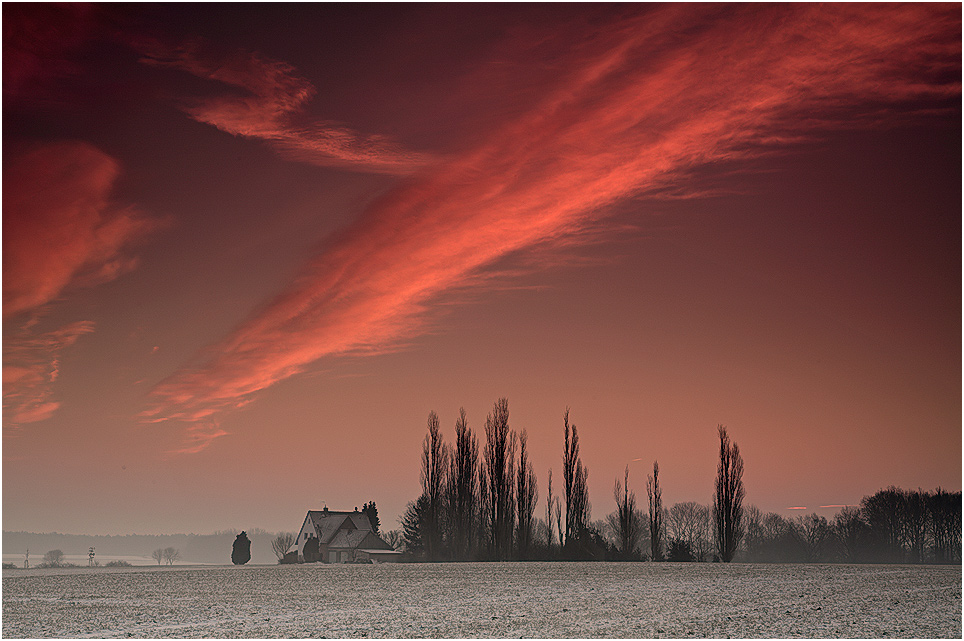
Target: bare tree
x: 655, y: 495
x: 393, y: 538
x: 884, y: 515
x: 945, y: 511
x: 576, y: 481
x: 728, y: 501
x: 850, y: 530
x: 158, y: 555
x: 282, y: 543
x: 915, y: 523
x: 498, y: 476
x: 702, y: 534
x: 626, y: 522
x: 171, y: 555
x: 527, y: 494
x: 549, y: 499
x: 753, y: 541
x: 817, y: 535
x: 689, y: 523
x: 433, y: 477
x: 557, y: 510
x: 53, y: 559
x: 463, y: 489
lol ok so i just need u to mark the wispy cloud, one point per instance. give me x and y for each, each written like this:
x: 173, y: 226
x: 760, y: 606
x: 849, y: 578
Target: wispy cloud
x: 31, y: 365
x: 60, y: 227
x: 275, y: 97
x: 636, y: 106
x: 60, y: 230
x: 198, y: 437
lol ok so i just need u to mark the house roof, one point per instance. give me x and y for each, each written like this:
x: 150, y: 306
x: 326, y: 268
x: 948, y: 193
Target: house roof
x: 348, y: 539
x: 328, y: 523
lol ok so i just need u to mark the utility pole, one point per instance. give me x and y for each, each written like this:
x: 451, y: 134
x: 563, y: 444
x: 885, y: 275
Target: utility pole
x: 26, y: 560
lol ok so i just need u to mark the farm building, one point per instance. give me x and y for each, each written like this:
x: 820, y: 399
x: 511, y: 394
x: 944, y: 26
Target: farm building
x: 341, y: 537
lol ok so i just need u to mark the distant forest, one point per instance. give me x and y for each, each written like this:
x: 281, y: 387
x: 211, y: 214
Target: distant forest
x: 193, y: 548
x: 481, y: 502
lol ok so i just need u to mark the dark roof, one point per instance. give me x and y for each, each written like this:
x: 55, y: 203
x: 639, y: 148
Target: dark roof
x: 344, y: 539
x: 327, y: 523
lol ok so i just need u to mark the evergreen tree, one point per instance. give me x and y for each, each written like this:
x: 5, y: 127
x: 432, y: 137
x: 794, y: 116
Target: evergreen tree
x: 241, y: 550
x: 371, y: 512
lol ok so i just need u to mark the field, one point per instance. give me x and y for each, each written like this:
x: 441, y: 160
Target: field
x: 546, y: 600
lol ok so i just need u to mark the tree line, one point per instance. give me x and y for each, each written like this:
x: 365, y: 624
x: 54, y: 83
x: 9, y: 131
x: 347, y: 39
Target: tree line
x: 891, y: 526
x: 480, y: 501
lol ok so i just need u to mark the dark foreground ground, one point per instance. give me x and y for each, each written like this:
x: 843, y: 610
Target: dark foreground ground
x: 545, y: 600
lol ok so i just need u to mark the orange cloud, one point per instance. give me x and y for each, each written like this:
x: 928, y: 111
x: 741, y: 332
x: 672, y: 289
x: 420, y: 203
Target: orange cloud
x: 31, y: 365
x: 276, y: 95
x: 60, y: 227
x: 198, y: 437
x: 636, y: 106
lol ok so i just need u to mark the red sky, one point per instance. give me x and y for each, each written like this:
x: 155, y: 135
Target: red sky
x: 247, y: 249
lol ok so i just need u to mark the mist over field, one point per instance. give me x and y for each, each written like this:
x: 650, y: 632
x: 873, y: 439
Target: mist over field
x: 135, y: 548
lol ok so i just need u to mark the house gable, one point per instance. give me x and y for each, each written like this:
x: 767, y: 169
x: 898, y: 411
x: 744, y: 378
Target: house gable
x: 340, y: 534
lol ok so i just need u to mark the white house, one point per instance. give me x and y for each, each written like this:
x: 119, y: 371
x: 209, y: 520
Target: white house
x: 342, y: 537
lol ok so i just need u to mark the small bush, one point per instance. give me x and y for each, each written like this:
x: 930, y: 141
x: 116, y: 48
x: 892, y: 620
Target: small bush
x: 118, y: 564
x: 9, y: 566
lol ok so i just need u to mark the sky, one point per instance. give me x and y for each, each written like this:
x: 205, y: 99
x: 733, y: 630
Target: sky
x: 248, y: 248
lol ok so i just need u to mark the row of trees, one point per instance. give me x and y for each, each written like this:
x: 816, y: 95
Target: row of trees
x: 890, y: 526
x: 480, y: 503
x: 687, y: 531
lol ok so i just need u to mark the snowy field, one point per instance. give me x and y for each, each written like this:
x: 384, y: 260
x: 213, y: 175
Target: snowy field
x: 573, y: 600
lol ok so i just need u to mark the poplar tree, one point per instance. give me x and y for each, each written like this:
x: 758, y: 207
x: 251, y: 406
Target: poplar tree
x: 463, y: 493
x: 527, y: 494
x: 576, y: 482
x: 434, y: 468
x: 498, y: 476
x: 728, y: 501
x: 655, y: 496
x: 628, y: 522
x: 549, y: 513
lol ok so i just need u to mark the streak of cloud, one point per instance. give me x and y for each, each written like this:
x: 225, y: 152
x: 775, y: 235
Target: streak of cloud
x: 637, y: 105
x: 31, y: 365
x: 276, y: 95
x: 60, y: 231
x: 198, y: 437
x: 60, y: 228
